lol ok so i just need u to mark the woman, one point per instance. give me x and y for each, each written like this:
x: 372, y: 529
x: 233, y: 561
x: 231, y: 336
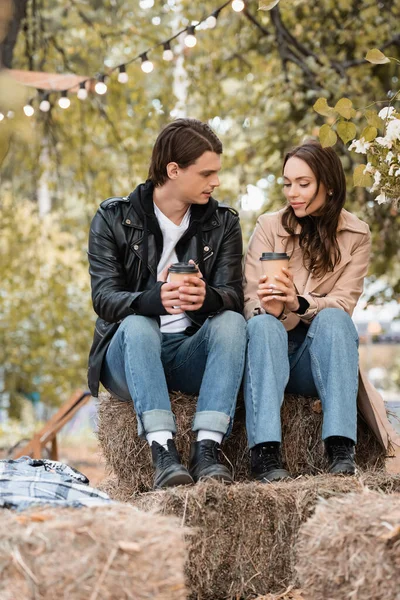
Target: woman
x: 300, y: 332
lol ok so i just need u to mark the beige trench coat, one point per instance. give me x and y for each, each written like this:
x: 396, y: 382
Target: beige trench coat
x: 340, y: 288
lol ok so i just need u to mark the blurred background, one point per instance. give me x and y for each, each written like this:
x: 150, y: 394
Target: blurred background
x: 86, y: 85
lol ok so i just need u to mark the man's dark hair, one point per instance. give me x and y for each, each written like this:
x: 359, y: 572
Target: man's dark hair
x: 183, y: 141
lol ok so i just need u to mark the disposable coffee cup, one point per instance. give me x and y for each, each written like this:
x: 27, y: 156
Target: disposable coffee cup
x: 272, y: 264
x: 178, y: 271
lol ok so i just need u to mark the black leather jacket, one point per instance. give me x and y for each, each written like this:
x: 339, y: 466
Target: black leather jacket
x: 125, y: 246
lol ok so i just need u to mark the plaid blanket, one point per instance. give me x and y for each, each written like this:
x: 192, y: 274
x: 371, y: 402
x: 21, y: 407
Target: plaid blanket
x: 27, y: 482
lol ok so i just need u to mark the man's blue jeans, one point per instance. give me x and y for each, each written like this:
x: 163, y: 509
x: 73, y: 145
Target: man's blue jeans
x: 322, y: 363
x: 142, y: 364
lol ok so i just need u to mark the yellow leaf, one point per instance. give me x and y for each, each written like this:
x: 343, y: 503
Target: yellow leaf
x: 322, y: 108
x: 346, y: 131
x: 345, y: 108
x: 369, y: 133
x: 267, y: 4
x: 373, y: 119
x: 327, y: 136
x: 360, y: 179
x: 376, y: 57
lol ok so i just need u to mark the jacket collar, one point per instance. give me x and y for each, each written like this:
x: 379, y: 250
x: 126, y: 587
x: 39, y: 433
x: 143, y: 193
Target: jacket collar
x: 347, y: 222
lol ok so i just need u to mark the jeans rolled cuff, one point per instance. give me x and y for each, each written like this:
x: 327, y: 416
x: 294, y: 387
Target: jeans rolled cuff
x: 348, y: 432
x: 156, y: 420
x: 211, y: 420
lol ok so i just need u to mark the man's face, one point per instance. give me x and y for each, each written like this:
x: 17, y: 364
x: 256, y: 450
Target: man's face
x: 195, y: 184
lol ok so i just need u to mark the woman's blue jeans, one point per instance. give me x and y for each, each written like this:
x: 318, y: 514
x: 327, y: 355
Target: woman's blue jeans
x: 142, y: 364
x: 324, y: 363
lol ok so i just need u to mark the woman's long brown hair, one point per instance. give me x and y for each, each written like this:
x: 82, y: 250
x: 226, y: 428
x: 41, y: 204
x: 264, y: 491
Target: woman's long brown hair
x: 318, y: 233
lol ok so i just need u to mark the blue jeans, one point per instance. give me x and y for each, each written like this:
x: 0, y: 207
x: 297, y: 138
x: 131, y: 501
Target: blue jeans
x: 321, y: 362
x: 142, y: 364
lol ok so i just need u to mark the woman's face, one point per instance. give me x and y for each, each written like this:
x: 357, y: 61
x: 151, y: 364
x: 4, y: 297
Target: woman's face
x: 300, y: 187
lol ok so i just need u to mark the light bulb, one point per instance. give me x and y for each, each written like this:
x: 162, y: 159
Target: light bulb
x: 10, y: 114
x: 64, y: 102
x: 29, y: 110
x: 122, y: 75
x: 44, y: 105
x: 1, y: 116
x: 238, y: 5
x: 100, y: 88
x: 211, y: 21
x: 168, y: 54
x: 147, y: 66
x: 82, y: 92
x: 190, y: 39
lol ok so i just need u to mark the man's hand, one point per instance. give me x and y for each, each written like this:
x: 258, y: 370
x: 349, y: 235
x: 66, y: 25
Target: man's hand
x: 170, y: 294
x: 271, y: 304
x: 192, y: 293
x: 170, y: 298
x: 177, y: 297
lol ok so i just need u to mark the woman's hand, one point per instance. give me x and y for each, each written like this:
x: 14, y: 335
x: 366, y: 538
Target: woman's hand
x: 285, y: 287
x: 270, y: 304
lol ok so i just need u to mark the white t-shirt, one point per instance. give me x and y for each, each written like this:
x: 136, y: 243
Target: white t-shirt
x: 171, y: 235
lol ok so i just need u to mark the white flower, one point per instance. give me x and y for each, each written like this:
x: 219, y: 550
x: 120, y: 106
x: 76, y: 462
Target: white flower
x: 360, y: 146
x: 386, y: 113
x: 369, y: 168
x: 397, y: 174
x: 383, y: 141
x: 389, y: 157
x: 393, y: 130
x: 391, y: 170
x: 381, y: 199
x: 377, y: 180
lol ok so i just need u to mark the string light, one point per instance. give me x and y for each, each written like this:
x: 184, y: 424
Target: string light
x: 11, y: 114
x: 101, y: 87
x: 147, y: 66
x: 45, y: 105
x: 28, y: 109
x: 167, y: 54
x: 64, y: 102
x: 1, y: 116
x: 190, y: 39
x: 122, y: 75
x: 238, y: 5
x: 82, y: 92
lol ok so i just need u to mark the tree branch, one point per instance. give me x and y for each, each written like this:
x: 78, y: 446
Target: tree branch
x: 8, y: 44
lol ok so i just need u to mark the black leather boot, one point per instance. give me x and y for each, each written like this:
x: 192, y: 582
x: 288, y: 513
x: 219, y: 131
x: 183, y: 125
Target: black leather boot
x: 341, y: 454
x: 168, y: 468
x: 205, y: 462
x: 266, y: 463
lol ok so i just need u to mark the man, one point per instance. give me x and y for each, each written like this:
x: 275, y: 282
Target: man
x: 153, y: 335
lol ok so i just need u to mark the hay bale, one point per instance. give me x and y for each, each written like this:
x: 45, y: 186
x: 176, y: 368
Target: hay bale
x: 245, y: 534
x: 350, y: 548
x: 110, y: 553
x: 128, y: 457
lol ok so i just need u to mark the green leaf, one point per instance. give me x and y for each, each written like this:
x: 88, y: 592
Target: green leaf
x: 345, y: 108
x: 322, y: 108
x: 373, y: 119
x: 267, y: 5
x: 360, y: 179
x: 369, y: 133
x: 376, y: 57
x: 346, y: 131
x: 327, y: 136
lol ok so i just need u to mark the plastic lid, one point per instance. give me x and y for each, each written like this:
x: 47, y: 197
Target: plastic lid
x: 183, y: 267
x: 274, y: 256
